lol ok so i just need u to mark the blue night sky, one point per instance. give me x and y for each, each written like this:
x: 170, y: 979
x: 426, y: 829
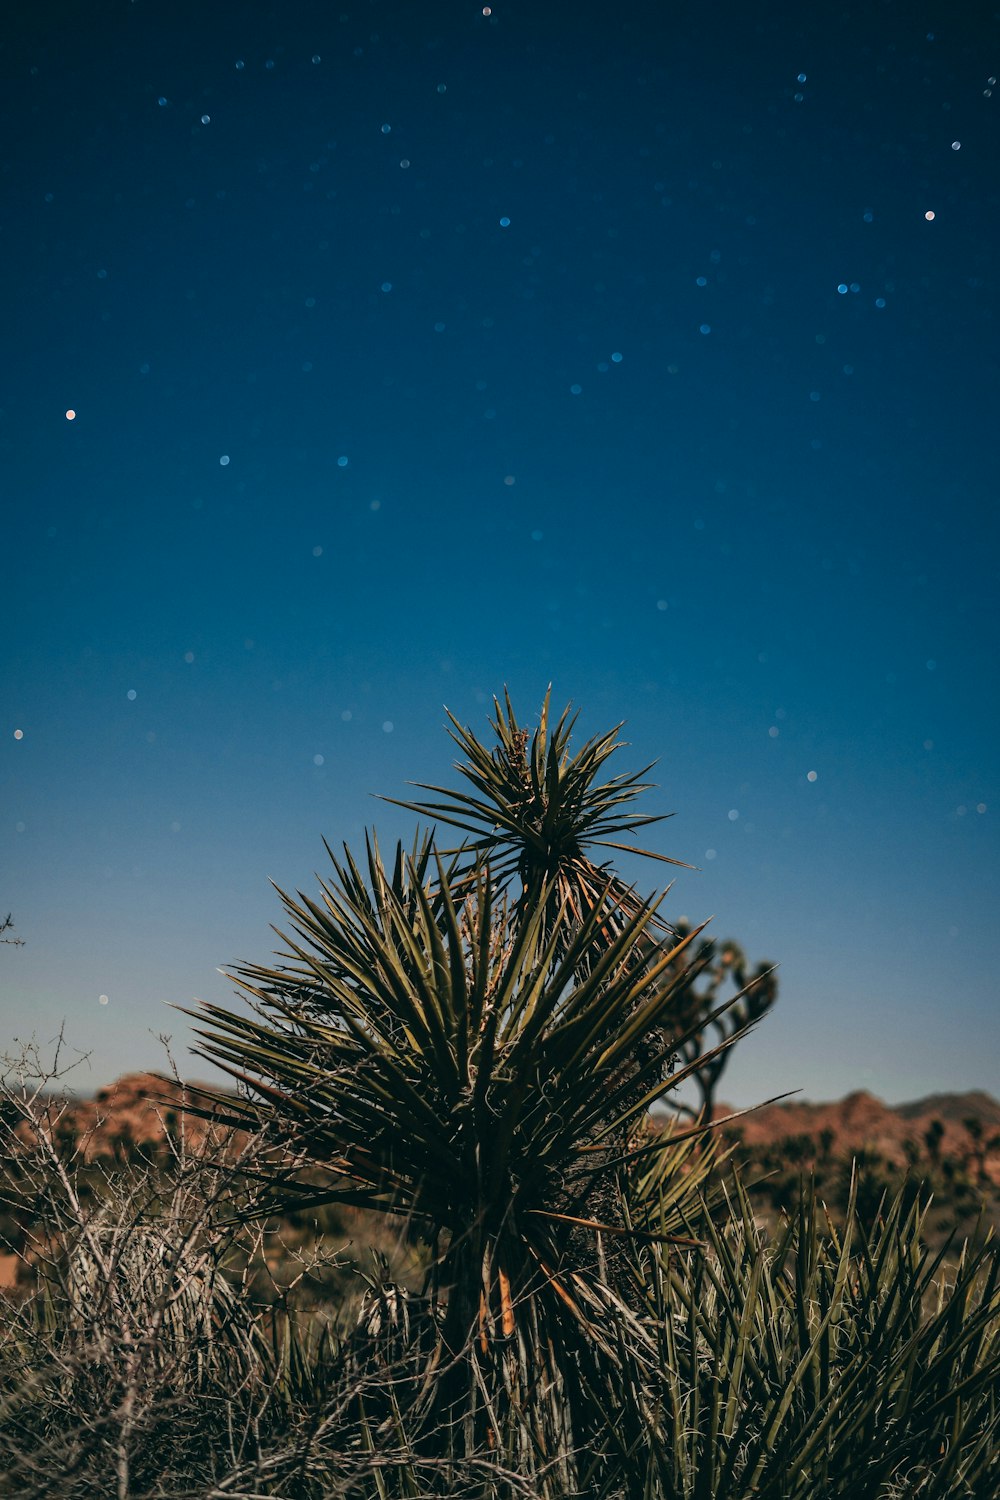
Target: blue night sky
x: 646, y: 350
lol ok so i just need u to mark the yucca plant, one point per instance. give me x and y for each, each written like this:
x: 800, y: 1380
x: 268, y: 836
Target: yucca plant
x: 472, y: 1040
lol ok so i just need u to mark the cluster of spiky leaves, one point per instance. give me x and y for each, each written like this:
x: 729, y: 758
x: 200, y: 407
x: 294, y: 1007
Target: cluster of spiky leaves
x: 537, y: 812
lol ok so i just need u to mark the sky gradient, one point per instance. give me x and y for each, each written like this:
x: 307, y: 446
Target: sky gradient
x: 645, y: 350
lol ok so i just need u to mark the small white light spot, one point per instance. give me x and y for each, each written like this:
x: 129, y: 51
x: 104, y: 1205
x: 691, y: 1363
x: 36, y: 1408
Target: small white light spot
x: 980, y: 807
x: 206, y: 119
x: 956, y: 145
x: 189, y: 657
x: 102, y: 999
x: 71, y: 415
x: 347, y: 716
x: 705, y: 328
x: 929, y: 215
x: 317, y: 552
x: 240, y: 66
x: 317, y: 760
x: 342, y: 461
x: 387, y: 726
x: 224, y: 460
x: 487, y: 11
x: 709, y: 853
x: 505, y: 223
x: 19, y: 734
x: 131, y: 695
x: 774, y: 731
x: 617, y: 358
x: 386, y: 129
x: 812, y: 775
x: 576, y: 390
x: 842, y: 288
x: 879, y: 301
x: 404, y: 162
x: 733, y: 814
x: 661, y: 604
x: 387, y: 286
x: 508, y: 479
x: 442, y: 88
x: 317, y: 58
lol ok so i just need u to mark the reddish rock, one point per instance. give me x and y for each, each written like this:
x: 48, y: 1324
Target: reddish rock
x: 138, y: 1110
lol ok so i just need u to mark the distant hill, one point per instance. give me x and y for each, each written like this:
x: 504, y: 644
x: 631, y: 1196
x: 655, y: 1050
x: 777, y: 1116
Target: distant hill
x: 861, y: 1120
x: 955, y: 1107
